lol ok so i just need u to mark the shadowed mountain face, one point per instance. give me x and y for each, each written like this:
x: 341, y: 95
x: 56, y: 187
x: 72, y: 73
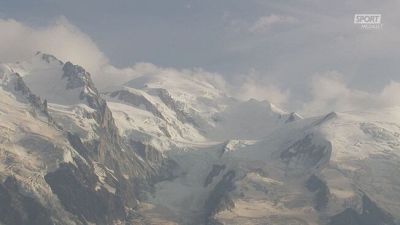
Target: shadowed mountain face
x: 75, y: 187
x: 321, y: 190
x: 95, y: 180
x: 16, y: 208
x: 177, y: 150
x: 307, y: 153
x: 371, y: 214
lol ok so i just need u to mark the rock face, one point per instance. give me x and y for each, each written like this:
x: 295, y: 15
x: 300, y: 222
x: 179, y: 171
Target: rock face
x: 99, y: 181
x: 176, y: 150
x: 34, y: 100
x: 219, y: 199
x: 371, y: 214
x: 77, y: 186
x: 177, y: 107
x: 215, y: 171
x: 292, y: 117
x: 306, y: 153
x: 321, y: 191
x: 18, y: 209
x: 136, y: 100
x: 76, y: 189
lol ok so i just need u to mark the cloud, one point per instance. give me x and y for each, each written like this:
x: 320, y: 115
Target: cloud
x: 110, y: 77
x: 65, y: 41
x: 254, y: 88
x: 331, y: 93
x: 264, y: 23
x: 19, y: 41
x: 251, y: 87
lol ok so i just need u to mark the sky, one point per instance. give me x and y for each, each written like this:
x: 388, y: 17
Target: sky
x: 303, y: 55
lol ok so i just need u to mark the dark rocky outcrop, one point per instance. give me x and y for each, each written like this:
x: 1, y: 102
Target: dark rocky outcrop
x: 34, y: 100
x: 170, y: 169
x: 219, y: 198
x: 347, y: 217
x: 215, y: 171
x: 76, y: 189
x: 321, y: 191
x: 77, y: 77
x: 371, y: 214
x: 292, y: 117
x: 177, y: 107
x: 306, y: 153
x: 146, y: 151
x: 77, y: 144
x: 327, y: 117
x: 136, y: 100
x: 48, y: 58
x: 18, y: 209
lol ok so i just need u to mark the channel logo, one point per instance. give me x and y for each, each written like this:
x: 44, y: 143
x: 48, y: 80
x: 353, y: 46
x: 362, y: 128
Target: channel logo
x: 368, y: 21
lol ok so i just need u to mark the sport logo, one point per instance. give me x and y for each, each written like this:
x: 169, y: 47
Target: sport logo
x: 368, y: 21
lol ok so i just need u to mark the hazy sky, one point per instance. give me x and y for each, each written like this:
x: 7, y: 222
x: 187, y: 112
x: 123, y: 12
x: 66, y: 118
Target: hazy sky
x: 290, y: 44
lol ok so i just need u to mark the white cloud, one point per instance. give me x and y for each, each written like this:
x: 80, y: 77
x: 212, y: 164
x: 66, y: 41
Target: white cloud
x: 264, y: 23
x: 62, y: 39
x: 260, y: 90
x: 110, y: 76
x: 65, y: 41
x: 331, y: 93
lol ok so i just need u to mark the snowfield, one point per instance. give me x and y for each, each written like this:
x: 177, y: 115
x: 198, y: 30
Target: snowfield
x: 193, y: 154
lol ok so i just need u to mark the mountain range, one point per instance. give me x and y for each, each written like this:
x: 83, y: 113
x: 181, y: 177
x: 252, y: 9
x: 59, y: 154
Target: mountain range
x: 176, y: 149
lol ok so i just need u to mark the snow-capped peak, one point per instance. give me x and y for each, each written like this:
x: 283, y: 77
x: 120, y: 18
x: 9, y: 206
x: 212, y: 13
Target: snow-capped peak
x: 53, y: 80
x: 208, y: 156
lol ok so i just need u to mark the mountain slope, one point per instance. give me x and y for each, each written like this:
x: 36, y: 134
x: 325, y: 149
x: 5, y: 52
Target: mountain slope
x: 66, y: 138
x: 176, y: 149
x: 313, y: 171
